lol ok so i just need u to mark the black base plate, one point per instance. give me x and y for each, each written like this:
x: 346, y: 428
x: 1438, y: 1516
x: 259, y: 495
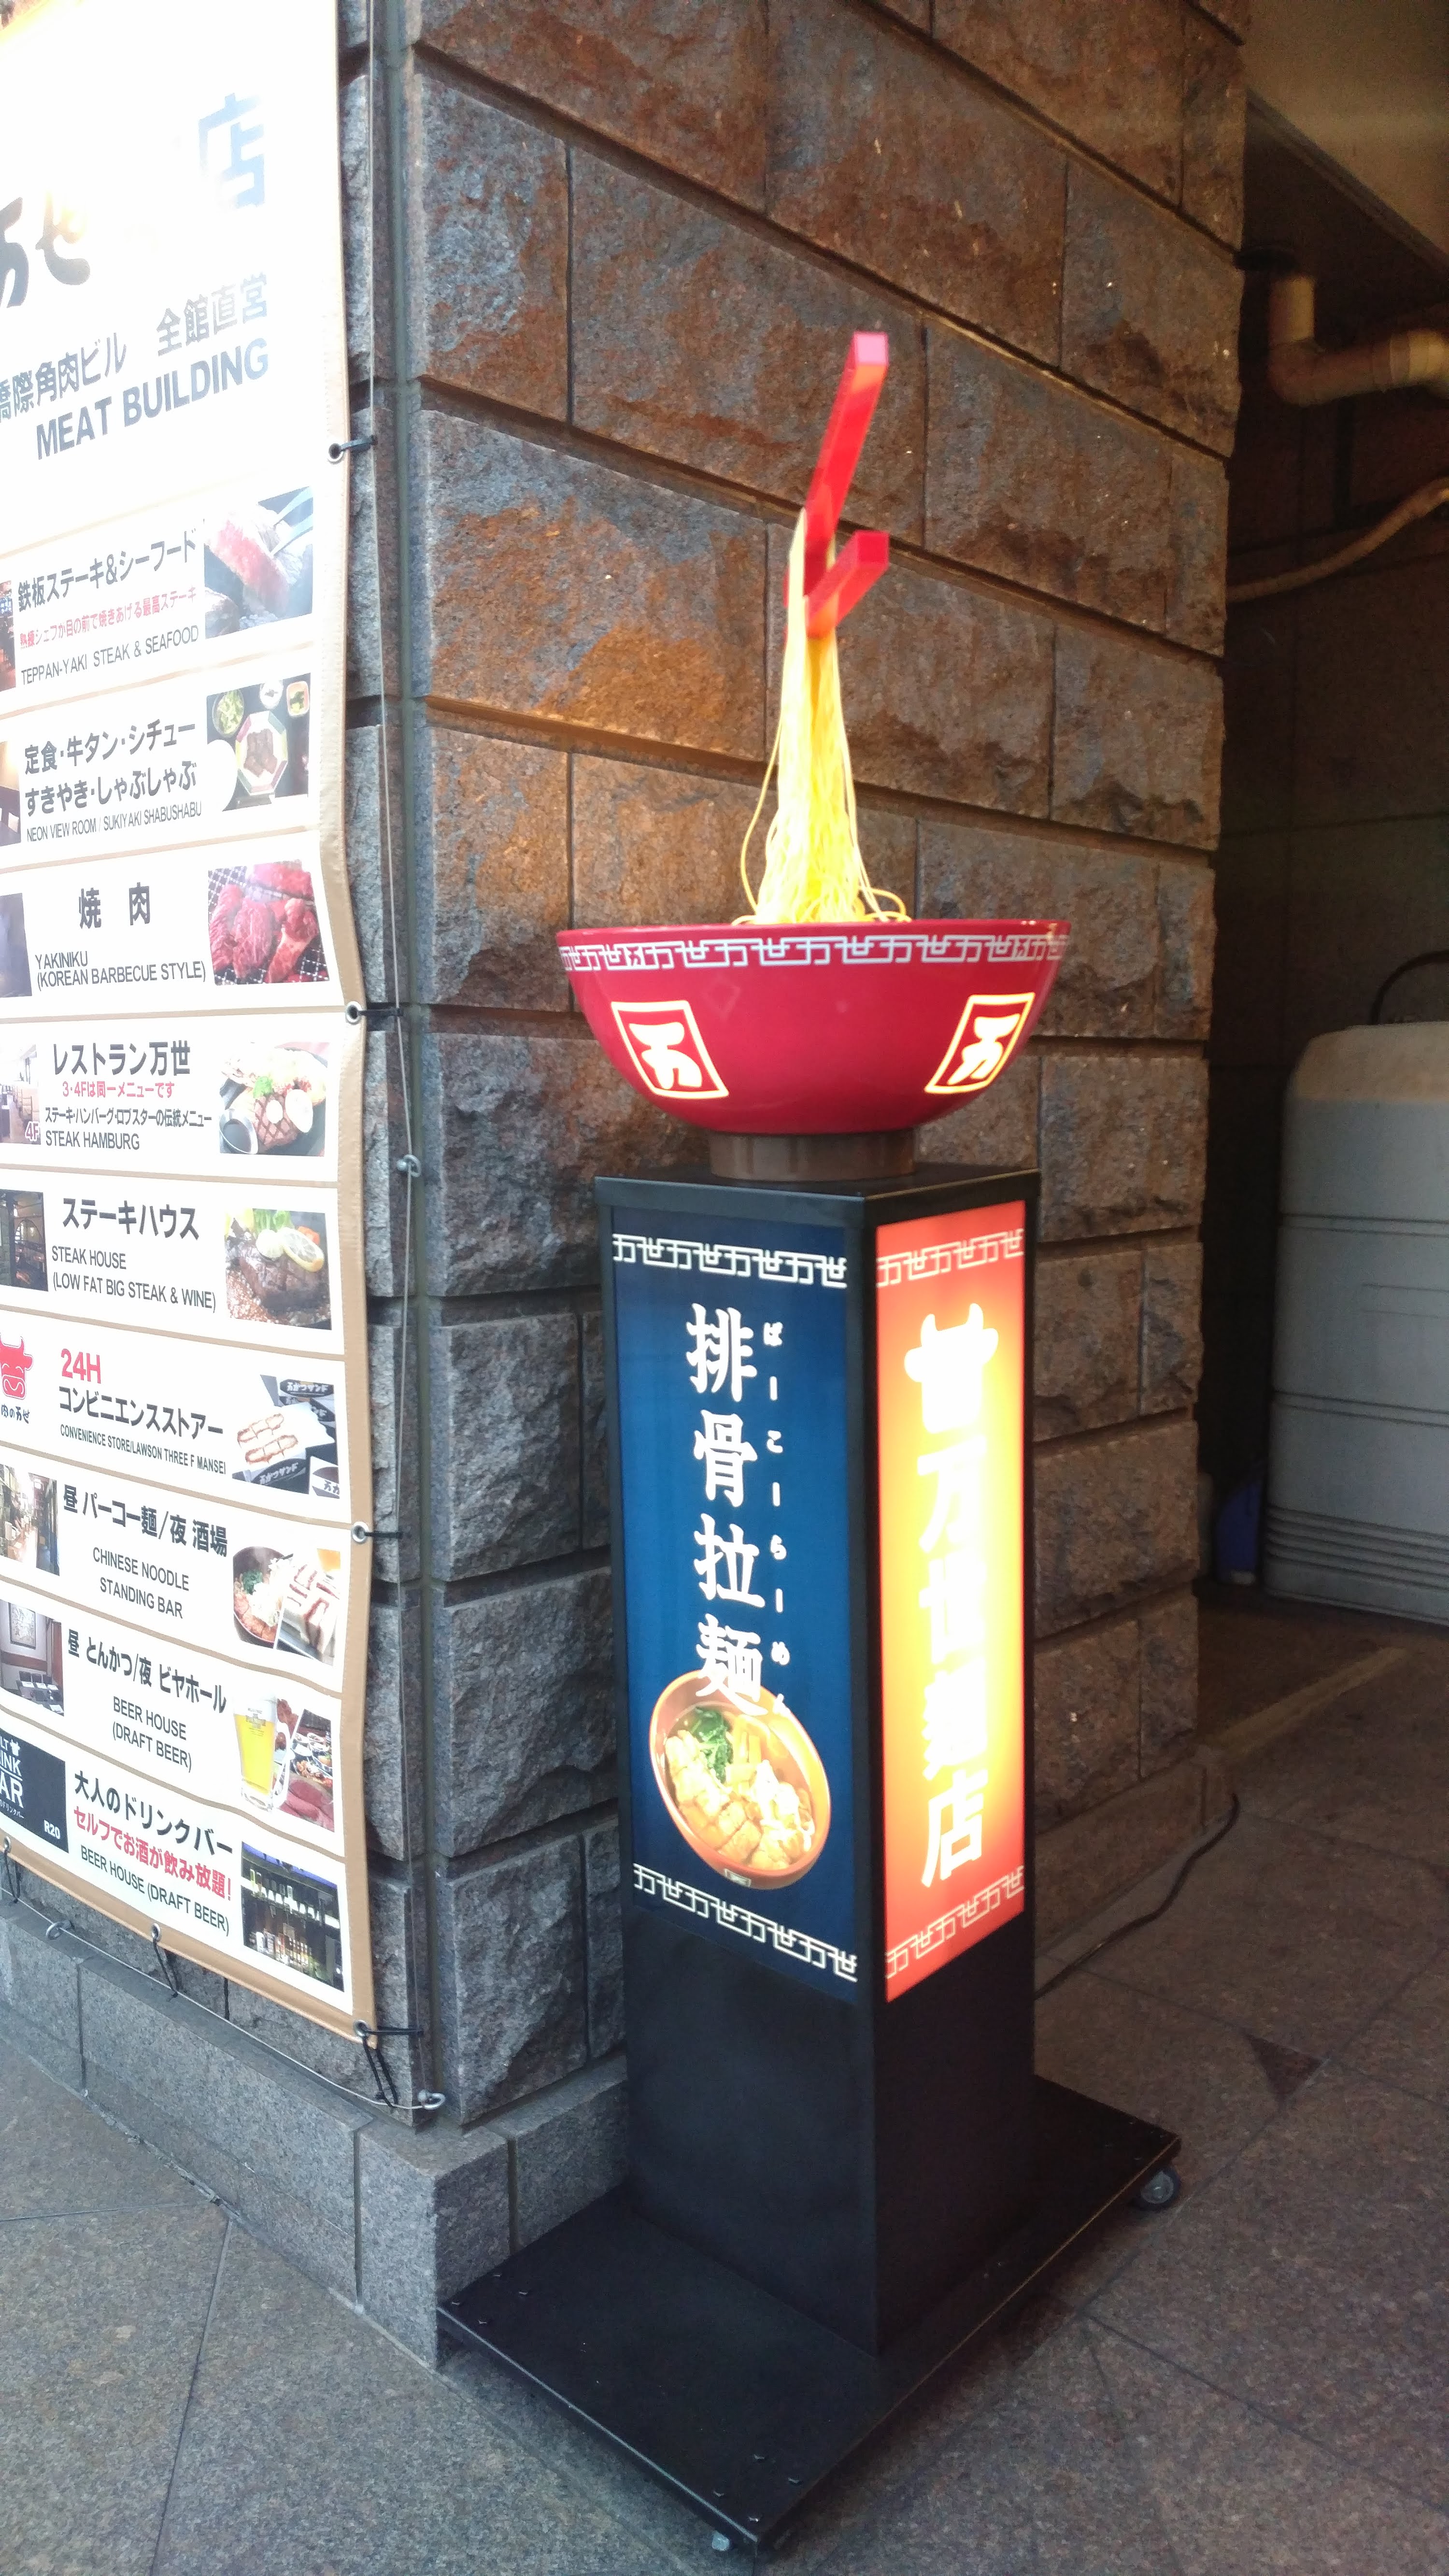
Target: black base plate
x: 736, y: 2402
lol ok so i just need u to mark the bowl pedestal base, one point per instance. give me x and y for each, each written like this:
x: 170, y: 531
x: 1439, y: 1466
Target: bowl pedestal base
x: 887, y: 1155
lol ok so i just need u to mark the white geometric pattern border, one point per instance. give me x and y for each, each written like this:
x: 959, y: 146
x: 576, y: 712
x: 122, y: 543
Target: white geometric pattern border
x: 800, y: 1946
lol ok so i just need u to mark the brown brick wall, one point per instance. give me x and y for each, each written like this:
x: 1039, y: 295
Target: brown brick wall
x: 639, y: 233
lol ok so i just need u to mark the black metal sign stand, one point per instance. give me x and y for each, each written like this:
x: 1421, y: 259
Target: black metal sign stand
x: 831, y: 2194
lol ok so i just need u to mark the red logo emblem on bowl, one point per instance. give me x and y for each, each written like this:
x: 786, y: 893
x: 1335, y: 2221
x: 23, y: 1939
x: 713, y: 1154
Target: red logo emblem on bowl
x: 667, y: 1051
x: 986, y: 1036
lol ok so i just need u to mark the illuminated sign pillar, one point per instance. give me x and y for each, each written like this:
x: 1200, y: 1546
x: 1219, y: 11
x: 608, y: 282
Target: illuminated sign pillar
x: 820, y: 1458
x: 841, y: 2165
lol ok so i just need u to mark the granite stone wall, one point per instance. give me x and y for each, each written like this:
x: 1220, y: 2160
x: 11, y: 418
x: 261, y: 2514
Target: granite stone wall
x: 617, y: 249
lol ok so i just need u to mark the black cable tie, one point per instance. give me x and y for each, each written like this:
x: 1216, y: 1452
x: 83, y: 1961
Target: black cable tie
x: 162, y: 1962
x: 9, y: 1874
x: 357, y: 1012
x: 340, y: 447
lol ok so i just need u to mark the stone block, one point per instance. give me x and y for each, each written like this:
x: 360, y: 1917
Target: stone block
x: 947, y: 692
x: 366, y: 266
x: 372, y: 562
x: 1123, y: 1142
x: 393, y: 1406
x: 432, y: 2213
x: 1115, y: 84
x: 101, y: 1932
x: 604, y: 1926
x: 1087, y: 1331
x: 880, y: 152
x: 1214, y: 118
x: 1028, y: 479
x: 384, y: 1140
x: 488, y: 257
x: 525, y: 1707
x: 552, y: 585
x: 997, y: 1129
x: 1149, y: 310
x: 568, y: 2147
x: 40, y: 1995
x: 682, y: 82
x: 512, y: 1973
x: 652, y: 845
x: 392, y: 1740
x: 1137, y: 740
x: 1116, y: 1515
x: 493, y: 879
x: 1105, y: 984
x: 519, y: 1123
x: 365, y: 833
x: 593, y: 1433
x: 1198, y: 567
x: 696, y: 339
x: 1086, y: 1700
x: 1171, y: 1325
x: 1185, y: 980
x: 1083, y: 1864
x: 273, y: 2144
x: 1169, y: 1681
x: 505, y: 1443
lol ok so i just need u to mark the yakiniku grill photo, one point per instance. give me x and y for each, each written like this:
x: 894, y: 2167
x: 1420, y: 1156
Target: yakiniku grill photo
x: 263, y: 927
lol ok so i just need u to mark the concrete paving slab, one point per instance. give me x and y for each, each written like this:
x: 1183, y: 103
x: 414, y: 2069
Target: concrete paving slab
x: 313, y: 2444
x: 1238, y: 2496
x: 1408, y: 2042
x: 57, y: 2160
x: 1369, y: 1770
x: 1045, y: 2482
x: 1292, y: 1935
x: 1308, y: 2279
x: 103, y: 2317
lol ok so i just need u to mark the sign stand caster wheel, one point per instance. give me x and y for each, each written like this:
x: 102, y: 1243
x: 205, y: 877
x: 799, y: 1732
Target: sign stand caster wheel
x: 1160, y: 2189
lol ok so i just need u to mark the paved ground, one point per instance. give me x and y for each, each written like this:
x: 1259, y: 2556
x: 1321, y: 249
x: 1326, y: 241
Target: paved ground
x: 1252, y: 2385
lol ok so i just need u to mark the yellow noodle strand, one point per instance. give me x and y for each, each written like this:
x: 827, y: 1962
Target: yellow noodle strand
x: 813, y: 867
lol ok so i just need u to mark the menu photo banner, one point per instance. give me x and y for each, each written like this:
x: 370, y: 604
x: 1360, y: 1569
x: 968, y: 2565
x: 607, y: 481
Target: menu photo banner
x: 212, y: 1258
x: 202, y: 1571
x: 180, y: 1718
x: 173, y: 1095
x: 215, y: 929
x: 214, y: 1878
x: 174, y: 760
x: 171, y: 584
x: 218, y: 1422
x: 185, y: 1471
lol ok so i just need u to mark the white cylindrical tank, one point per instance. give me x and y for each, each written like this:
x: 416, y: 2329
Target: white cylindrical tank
x: 1358, y: 1465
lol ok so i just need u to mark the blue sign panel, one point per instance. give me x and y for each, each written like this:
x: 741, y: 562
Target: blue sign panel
x: 730, y: 1343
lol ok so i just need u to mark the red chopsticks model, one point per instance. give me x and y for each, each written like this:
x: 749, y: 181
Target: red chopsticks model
x: 832, y: 589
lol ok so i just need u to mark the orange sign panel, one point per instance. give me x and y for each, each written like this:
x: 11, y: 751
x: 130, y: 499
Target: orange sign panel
x: 951, y: 1377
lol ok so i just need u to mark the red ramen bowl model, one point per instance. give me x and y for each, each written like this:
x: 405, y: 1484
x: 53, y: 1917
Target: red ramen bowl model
x: 773, y: 1029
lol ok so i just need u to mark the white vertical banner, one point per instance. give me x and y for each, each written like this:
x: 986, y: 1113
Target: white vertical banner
x: 183, y: 1385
